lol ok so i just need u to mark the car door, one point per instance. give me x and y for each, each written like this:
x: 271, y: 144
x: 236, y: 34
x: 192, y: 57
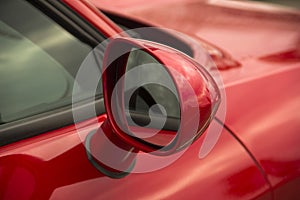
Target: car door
x: 43, y: 153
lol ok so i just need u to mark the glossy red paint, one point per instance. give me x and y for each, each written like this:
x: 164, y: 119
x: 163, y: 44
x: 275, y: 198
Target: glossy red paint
x: 197, y: 91
x: 33, y: 168
x: 263, y: 94
x: 247, y: 31
x: 223, y: 60
x: 98, y: 19
x: 268, y: 124
x: 54, y: 166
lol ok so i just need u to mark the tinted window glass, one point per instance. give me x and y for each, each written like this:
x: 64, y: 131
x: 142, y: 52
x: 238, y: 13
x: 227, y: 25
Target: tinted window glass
x: 38, y: 62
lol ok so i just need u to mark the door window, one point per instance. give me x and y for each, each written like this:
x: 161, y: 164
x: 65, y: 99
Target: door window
x: 38, y: 62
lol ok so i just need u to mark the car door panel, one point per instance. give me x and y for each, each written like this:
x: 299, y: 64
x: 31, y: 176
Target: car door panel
x: 54, y: 165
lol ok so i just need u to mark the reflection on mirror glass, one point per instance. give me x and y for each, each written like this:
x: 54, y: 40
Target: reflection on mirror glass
x: 151, y: 100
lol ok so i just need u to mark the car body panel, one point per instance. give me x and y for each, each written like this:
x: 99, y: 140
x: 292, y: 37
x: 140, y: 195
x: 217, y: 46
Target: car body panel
x: 54, y: 165
x: 263, y: 94
x: 248, y: 34
x: 96, y: 18
x: 268, y: 124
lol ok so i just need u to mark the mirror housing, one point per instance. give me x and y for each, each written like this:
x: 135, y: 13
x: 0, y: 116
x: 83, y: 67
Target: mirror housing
x: 197, y: 92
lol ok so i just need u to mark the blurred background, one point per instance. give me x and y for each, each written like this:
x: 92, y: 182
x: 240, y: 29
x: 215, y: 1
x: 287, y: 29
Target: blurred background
x: 289, y: 3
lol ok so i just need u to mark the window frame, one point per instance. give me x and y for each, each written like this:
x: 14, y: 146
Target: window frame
x: 60, y: 117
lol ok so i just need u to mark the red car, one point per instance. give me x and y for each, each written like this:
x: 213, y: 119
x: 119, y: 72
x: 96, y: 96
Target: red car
x: 97, y: 102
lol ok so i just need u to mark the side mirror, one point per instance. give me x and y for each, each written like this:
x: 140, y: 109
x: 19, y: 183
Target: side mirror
x: 158, y: 100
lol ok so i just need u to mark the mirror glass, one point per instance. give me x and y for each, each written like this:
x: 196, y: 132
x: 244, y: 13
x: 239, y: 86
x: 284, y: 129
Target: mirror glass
x: 151, y: 100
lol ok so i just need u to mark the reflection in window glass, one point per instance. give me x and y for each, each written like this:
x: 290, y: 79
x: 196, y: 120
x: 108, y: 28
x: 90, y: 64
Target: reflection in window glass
x: 38, y: 62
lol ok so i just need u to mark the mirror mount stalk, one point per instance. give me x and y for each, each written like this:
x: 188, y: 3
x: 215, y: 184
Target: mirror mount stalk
x: 105, y: 149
